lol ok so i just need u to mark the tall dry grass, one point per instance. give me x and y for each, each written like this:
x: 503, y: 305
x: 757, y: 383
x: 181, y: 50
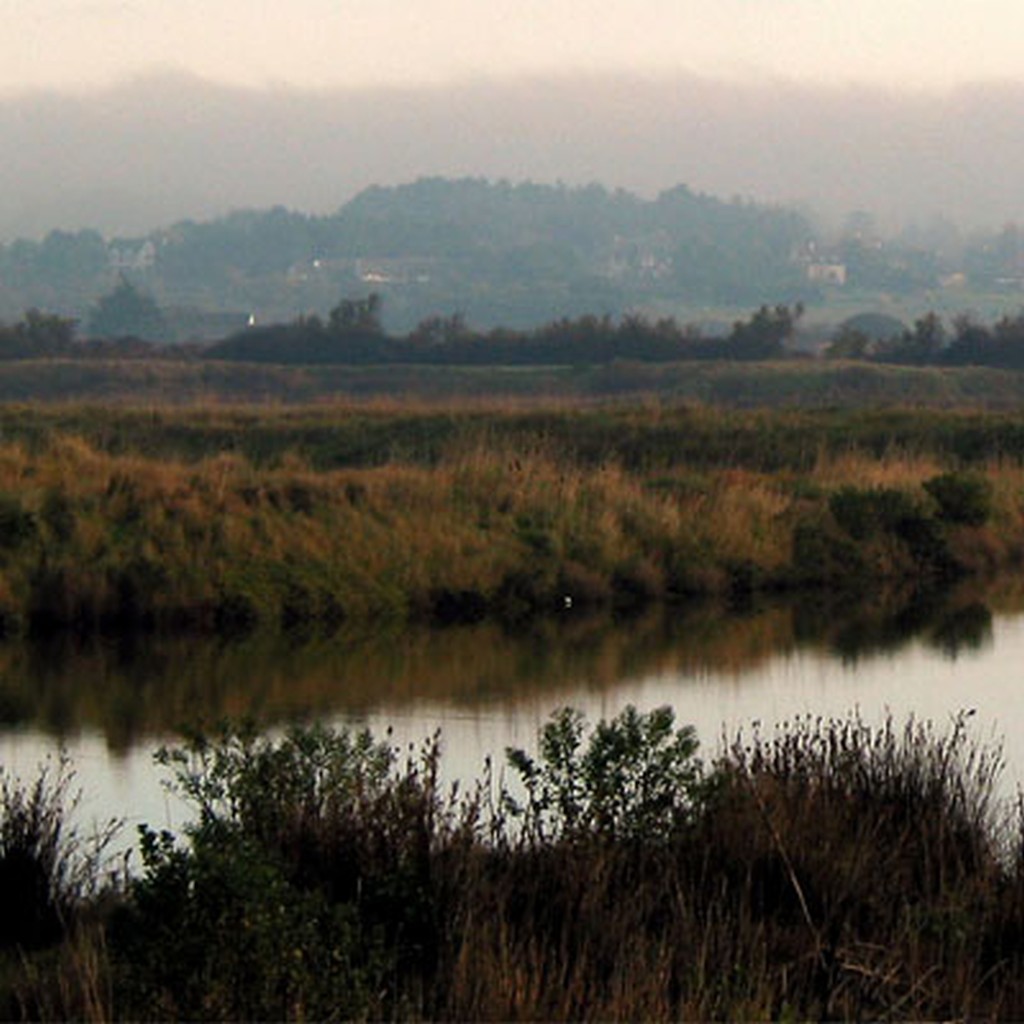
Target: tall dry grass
x: 831, y: 870
x: 467, y: 514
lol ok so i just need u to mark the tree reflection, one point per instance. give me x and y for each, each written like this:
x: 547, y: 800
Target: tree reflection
x: 135, y: 687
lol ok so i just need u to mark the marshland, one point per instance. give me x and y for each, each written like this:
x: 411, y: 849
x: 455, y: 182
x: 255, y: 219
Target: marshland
x: 314, y: 570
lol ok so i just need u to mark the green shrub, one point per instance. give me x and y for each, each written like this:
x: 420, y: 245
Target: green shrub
x: 633, y: 776
x: 217, y: 931
x: 304, y: 890
x: 822, y: 555
x: 963, y: 498
x: 855, y: 510
x: 864, y: 513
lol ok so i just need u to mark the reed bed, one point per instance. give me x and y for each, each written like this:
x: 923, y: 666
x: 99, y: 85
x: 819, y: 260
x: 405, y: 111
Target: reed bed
x: 469, y: 515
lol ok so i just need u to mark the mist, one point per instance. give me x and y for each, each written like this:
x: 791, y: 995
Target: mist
x: 159, y: 149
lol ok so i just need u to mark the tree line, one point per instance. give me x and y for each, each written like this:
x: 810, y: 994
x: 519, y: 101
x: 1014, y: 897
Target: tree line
x: 122, y: 324
x: 932, y: 342
x: 353, y: 333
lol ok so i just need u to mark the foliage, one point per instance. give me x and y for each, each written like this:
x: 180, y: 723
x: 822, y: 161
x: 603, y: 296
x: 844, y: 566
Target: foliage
x: 764, y: 335
x: 635, y: 777
x: 864, y: 512
x: 37, y: 335
x: 964, y: 498
x: 47, y: 869
x: 353, y: 336
x: 517, y: 254
x: 312, y: 853
x: 835, y: 870
x: 126, y: 312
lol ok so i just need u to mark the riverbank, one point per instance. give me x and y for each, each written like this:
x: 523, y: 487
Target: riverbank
x: 114, y: 520
x: 832, y: 870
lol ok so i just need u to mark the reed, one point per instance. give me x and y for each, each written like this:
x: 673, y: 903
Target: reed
x: 831, y: 869
x: 314, y: 517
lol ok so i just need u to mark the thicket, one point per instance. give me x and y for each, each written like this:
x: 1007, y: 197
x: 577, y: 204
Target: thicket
x: 449, y: 341
x: 832, y: 870
x: 933, y: 342
x: 352, y: 334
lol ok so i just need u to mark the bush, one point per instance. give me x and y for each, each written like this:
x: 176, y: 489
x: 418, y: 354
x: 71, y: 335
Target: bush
x: 963, y: 498
x: 866, y: 512
x: 823, y: 555
x: 634, y: 776
x: 304, y: 890
x: 17, y: 524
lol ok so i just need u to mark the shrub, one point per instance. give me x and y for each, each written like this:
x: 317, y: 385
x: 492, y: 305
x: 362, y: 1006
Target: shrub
x: 17, y: 524
x: 865, y: 512
x: 304, y: 889
x: 963, y: 498
x: 821, y: 554
x: 634, y: 776
x: 854, y: 509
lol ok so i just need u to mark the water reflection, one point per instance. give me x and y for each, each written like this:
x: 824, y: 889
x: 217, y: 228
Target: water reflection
x: 136, y: 687
x: 110, y: 703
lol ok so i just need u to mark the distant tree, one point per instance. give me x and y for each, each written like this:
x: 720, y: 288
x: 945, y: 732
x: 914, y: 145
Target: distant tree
x: 764, y: 335
x: 37, y: 334
x: 361, y: 316
x: 64, y: 258
x: 433, y: 331
x: 972, y: 344
x: 127, y: 312
x: 921, y: 346
x: 849, y: 343
x: 46, y: 332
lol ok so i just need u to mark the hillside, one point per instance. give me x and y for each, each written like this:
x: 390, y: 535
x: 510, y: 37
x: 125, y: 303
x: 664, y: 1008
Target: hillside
x: 499, y: 253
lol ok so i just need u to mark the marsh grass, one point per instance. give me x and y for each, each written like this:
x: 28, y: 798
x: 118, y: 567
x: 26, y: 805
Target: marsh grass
x: 829, y: 869
x: 227, y: 519
x: 51, y: 878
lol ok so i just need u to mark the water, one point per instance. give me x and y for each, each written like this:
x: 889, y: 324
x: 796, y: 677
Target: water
x: 111, y: 704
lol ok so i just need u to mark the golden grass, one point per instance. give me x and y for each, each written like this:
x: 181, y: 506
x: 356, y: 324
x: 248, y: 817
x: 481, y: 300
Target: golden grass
x: 513, y: 519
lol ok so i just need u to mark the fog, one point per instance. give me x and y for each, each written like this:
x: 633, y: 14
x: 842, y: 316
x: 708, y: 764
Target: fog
x: 163, y: 148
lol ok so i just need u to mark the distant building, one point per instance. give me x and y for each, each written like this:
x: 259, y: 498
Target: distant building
x: 394, y: 270
x: 827, y: 273
x: 129, y: 256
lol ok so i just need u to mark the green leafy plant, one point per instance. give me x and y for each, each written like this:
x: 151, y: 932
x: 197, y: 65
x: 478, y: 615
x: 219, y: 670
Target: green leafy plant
x: 634, y: 776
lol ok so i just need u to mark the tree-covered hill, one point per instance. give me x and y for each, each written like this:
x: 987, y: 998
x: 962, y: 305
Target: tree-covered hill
x: 500, y: 253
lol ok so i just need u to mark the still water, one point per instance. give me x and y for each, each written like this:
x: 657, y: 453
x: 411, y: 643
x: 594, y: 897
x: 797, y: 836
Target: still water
x: 110, y: 704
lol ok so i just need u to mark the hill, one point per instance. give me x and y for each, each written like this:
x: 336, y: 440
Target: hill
x: 499, y: 253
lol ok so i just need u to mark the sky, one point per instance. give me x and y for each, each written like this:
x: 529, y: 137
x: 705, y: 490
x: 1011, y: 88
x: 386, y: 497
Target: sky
x: 127, y: 115
x: 323, y: 44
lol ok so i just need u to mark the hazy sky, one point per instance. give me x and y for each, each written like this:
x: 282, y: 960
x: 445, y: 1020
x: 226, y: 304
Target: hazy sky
x: 128, y: 114
x: 324, y: 43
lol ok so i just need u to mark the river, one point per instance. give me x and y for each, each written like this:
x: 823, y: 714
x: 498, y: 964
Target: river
x: 111, y: 702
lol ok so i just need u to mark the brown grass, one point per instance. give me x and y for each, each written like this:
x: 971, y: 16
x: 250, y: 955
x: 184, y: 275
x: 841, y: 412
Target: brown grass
x: 470, y: 514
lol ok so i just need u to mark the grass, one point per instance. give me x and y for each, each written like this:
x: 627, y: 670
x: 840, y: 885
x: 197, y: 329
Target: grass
x: 228, y: 519
x: 786, y: 383
x: 831, y: 869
